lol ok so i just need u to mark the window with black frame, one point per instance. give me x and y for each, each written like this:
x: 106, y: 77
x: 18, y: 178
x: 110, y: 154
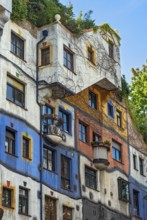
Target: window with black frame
x: 15, y: 91
x: 136, y: 202
x: 26, y: 147
x: 23, y: 200
x: 66, y: 126
x: 10, y: 142
x: 48, y: 110
x: 90, y: 178
x: 141, y: 166
x: 48, y: 159
x: 123, y: 189
x: 92, y: 100
x: 119, y: 118
x: 17, y: 45
x: 65, y: 172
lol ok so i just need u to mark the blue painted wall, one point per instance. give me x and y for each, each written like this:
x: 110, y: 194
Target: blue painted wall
x: 134, y: 185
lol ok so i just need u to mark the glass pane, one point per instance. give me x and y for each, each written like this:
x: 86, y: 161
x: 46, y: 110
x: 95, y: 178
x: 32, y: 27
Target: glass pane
x: 10, y: 93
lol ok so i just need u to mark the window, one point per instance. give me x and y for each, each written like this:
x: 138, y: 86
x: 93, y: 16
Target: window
x: 82, y: 132
x: 45, y: 56
x: 66, y: 126
x: 90, y: 54
x: 118, y: 118
x: 26, y: 147
x: 65, y: 172
x: 67, y: 213
x: 123, y: 189
x: 136, y: 202
x: 47, y: 122
x: 48, y: 159
x: 23, y: 201
x: 92, y: 100
x: 110, y: 109
x: 90, y: 178
x: 68, y: 59
x: 135, y: 161
x: 17, y: 45
x: 111, y: 52
x: 50, y: 208
x: 141, y: 162
x: 7, y: 197
x: 10, y: 142
x: 96, y: 137
x: 116, y: 151
x: 15, y: 91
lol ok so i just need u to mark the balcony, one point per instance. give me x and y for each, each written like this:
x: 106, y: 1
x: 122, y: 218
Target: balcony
x: 5, y: 12
x: 52, y: 130
x: 100, y: 154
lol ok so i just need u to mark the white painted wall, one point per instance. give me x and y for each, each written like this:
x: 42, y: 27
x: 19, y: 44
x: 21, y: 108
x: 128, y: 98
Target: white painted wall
x: 136, y: 173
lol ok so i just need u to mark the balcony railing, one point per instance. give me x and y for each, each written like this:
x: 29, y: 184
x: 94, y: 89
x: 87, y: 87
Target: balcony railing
x: 53, y: 131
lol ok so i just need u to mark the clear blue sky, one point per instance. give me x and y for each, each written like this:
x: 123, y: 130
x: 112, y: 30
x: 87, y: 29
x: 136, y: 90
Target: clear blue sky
x: 129, y: 17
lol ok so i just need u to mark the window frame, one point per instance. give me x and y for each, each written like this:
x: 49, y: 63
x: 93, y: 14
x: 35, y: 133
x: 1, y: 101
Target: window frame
x: 135, y: 162
x: 65, y: 172
x: 116, y: 153
x: 66, y: 54
x: 92, y: 100
x: 48, y: 208
x: 28, y: 156
x: 136, y: 205
x: 110, y: 109
x: 48, y: 160
x: 89, y: 176
x: 15, y: 40
x: 66, y: 216
x: 21, y: 200
x: 10, y: 199
x: 141, y: 166
x: 111, y: 49
x: 45, y: 57
x: 121, y: 184
x: 96, y: 137
x: 119, y: 118
x: 83, y: 134
x: 15, y: 91
x: 66, y: 126
x: 10, y: 139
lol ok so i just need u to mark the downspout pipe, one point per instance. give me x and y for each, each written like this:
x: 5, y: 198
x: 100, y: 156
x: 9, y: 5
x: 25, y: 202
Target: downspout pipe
x: 45, y: 34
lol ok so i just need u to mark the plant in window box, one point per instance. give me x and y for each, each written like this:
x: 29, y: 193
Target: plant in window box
x: 97, y: 143
x: 107, y: 143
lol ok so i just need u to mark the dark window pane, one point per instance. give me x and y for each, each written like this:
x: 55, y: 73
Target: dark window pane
x: 45, y: 56
x: 68, y: 59
x: 23, y: 201
x: 90, y: 178
x: 6, y: 197
x: 10, y: 142
x: 17, y: 46
x: 65, y: 172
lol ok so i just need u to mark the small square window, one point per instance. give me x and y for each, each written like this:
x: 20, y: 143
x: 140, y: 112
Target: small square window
x: 68, y: 59
x: 7, y: 197
x: 26, y: 147
x: 10, y: 142
x: 92, y: 100
x: 67, y: 213
x: 119, y: 118
x: 15, y: 91
x: 116, y: 151
x: 48, y: 159
x: 110, y: 109
x: 90, y: 178
x: 66, y: 126
x: 83, y: 132
x: 141, y: 166
x: 23, y: 200
x: 65, y: 172
x: 123, y: 189
x: 45, y: 56
x: 111, y: 49
x: 17, y: 46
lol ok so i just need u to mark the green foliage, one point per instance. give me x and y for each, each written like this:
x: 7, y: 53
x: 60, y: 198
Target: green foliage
x: 19, y: 8
x: 106, y: 28
x: 138, y: 99
x: 42, y: 12
x: 124, y: 93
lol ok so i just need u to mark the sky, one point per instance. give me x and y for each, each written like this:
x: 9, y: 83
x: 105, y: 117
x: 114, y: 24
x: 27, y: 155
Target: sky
x: 129, y: 17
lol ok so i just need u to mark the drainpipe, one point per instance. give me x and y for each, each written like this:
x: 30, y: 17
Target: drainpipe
x: 45, y: 34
